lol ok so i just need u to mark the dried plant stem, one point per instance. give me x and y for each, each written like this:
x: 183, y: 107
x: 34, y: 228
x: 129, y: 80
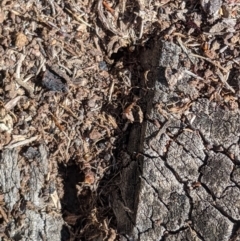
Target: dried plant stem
x: 223, y: 80
x: 210, y: 61
x: 21, y: 143
x: 104, y: 20
x: 185, y: 50
x: 19, y: 65
x: 78, y: 18
x: 19, y: 80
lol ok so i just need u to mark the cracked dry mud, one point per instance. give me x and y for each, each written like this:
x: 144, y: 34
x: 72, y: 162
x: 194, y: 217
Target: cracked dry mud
x: 181, y: 177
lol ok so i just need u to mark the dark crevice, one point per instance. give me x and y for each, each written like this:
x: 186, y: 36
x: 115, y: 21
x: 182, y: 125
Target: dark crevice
x: 228, y: 153
x: 177, y: 231
x: 208, y: 190
x: 236, y: 184
x: 192, y: 154
x: 147, y: 155
x: 152, y: 228
x: 235, y: 231
x: 225, y: 190
x: 172, y: 170
x: 232, y: 177
x: 224, y: 213
x: 156, y: 191
x: 205, y: 141
x: 188, y: 151
x: 198, y: 234
x: 224, y: 152
x: 186, y: 189
x: 199, y: 169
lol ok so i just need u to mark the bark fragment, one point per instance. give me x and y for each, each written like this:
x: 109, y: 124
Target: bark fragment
x: 24, y: 199
x: 187, y: 184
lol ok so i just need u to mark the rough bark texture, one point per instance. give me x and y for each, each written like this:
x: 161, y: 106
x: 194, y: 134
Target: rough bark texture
x: 22, y: 186
x: 181, y: 177
x: 181, y: 173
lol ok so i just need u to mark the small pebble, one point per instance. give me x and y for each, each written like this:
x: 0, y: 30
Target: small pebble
x: 53, y: 82
x: 102, y: 65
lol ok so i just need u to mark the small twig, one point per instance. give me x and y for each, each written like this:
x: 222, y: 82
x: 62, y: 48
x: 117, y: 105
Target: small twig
x: 21, y: 143
x: 16, y: 13
x: 141, y: 29
x: 19, y: 80
x: 184, y: 48
x: 43, y: 61
x: 68, y: 144
x: 236, y: 61
x: 210, y: 61
x: 111, y: 91
x: 39, y: 41
x: 26, y: 86
x: 220, y: 75
x: 219, y: 33
x: 193, y: 75
x: 69, y: 111
x: 64, y: 67
x: 52, y: 6
x: 78, y: 18
x: 224, y: 80
x: 12, y: 103
x: 60, y: 127
x: 19, y: 65
x: 123, y: 5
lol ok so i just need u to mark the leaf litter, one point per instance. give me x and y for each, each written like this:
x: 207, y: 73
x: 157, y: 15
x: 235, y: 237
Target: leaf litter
x: 66, y: 81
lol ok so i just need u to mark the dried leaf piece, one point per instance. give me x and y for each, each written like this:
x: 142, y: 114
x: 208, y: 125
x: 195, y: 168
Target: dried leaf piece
x: 53, y: 82
x: 5, y: 139
x: 89, y: 178
x: 112, y: 121
x: 21, y: 40
x: 127, y: 113
x: 3, y: 214
x: 55, y: 200
x: 133, y: 113
x: 112, y: 235
x: 139, y: 114
x: 173, y: 76
x: 105, y: 21
x: 211, y: 54
x: 12, y: 103
x: 71, y: 219
x: 211, y: 6
x: 2, y: 16
x: 6, y: 124
x: 108, y: 7
x: 95, y: 135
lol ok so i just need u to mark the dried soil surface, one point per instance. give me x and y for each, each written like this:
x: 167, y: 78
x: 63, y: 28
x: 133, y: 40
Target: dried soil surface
x: 113, y: 113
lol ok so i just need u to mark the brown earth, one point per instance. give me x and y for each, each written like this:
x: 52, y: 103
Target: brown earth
x: 119, y: 120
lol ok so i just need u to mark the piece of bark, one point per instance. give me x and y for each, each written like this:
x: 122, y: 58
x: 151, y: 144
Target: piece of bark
x: 29, y: 219
x: 179, y: 182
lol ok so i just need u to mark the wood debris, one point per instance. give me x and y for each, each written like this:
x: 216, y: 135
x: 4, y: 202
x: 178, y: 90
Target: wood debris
x: 70, y: 81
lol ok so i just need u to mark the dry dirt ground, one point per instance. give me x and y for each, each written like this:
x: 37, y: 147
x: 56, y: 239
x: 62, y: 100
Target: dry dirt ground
x: 69, y: 95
